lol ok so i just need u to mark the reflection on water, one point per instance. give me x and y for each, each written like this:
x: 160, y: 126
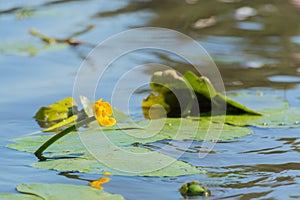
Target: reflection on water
x: 250, y: 40
x: 247, y: 169
x: 254, y: 43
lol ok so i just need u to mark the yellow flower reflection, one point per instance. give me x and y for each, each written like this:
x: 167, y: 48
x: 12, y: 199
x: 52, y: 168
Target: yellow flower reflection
x: 99, y: 182
x: 107, y: 173
x: 103, y: 111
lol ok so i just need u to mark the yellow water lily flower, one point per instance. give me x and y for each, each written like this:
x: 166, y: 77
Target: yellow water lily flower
x: 97, y: 183
x: 103, y: 111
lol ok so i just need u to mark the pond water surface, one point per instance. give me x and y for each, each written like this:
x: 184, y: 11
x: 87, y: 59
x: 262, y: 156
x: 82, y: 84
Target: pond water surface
x: 255, y: 49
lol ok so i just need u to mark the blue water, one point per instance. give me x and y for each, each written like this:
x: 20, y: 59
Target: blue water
x: 265, y: 164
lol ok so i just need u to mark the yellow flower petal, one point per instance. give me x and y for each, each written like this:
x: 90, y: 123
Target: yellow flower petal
x: 103, y: 111
x: 107, y: 121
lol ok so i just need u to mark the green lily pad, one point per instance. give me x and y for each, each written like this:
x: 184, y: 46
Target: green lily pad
x: 19, y: 197
x: 115, y: 147
x: 135, y: 167
x: 69, y: 154
x: 256, y: 100
x: 58, y: 192
x: 281, y: 119
x: 275, y: 110
x: 81, y: 161
x: 168, y: 128
x: 124, y: 134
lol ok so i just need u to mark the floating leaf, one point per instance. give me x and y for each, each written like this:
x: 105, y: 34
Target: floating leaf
x: 88, y: 164
x: 19, y: 197
x: 119, y: 115
x: 168, y: 128
x: 122, y: 135
x: 257, y: 100
x: 80, y: 160
x: 59, y: 192
x: 281, y: 119
x: 276, y: 111
x: 69, y: 154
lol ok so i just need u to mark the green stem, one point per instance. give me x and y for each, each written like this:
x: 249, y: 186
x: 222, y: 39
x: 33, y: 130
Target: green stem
x: 39, y: 153
x: 43, y: 37
x: 90, y: 27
